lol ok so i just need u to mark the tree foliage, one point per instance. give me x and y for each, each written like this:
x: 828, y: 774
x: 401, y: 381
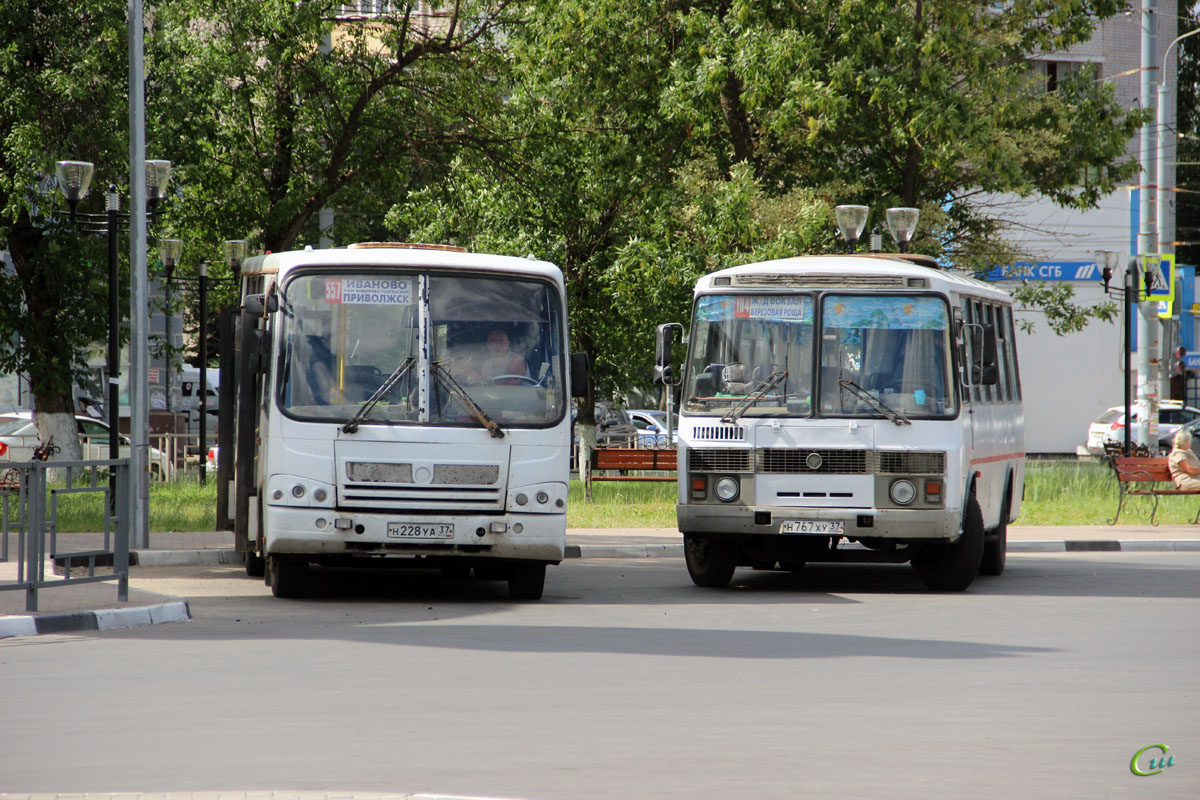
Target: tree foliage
x: 63, y: 67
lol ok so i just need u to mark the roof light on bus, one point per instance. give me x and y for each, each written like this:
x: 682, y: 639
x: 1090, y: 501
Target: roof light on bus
x: 406, y: 246
x: 902, y: 222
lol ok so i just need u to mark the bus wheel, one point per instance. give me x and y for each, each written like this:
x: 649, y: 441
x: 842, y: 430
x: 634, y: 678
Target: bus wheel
x: 711, y: 564
x: 288, y: 576
x: 995, y: 546
x: 527, y: 581
x: 952, y: 567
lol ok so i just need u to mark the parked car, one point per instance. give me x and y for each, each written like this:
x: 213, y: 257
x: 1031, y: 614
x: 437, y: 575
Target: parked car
x: 1109, y: 427
x: 651, y: 426
x: 614, y: 428
x: 19, y: 436
x: 1165, y: 443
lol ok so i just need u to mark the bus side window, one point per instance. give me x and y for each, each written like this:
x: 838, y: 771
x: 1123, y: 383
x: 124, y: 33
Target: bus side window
x: 991, y: 393
x: 1013, y: 370
x: 1004, y: 387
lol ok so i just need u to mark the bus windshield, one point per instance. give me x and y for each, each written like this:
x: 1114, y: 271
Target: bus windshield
x: 753, y: 351
x: 753, y: 355
x: 892, y: 348
x: 351, y: 348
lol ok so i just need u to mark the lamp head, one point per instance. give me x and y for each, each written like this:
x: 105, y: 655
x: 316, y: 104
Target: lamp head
x: 851, y: 221
x: 902, y: 222
x: 74, y: 179
x: 170, y: 250
x: 235, y: 252
x: 158, y: 175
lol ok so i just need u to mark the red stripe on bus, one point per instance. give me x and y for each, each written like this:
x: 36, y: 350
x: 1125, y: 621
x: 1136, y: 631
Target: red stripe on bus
x: 990, y: 459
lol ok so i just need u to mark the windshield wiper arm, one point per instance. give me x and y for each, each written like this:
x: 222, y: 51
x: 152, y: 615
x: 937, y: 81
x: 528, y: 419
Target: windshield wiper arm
x: 758, y: 393
x: 352, y: 424
x: 453, y: 387
x: 870, y: 399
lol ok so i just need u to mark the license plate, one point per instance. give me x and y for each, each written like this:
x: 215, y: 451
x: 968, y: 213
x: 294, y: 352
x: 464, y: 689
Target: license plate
x: 420, y: 530
x: 814, y: 527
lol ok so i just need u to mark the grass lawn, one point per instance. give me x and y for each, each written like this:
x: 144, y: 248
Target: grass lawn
x: 1056, y: 493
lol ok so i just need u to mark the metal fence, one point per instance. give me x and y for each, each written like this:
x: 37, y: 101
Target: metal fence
x: 30, y: 497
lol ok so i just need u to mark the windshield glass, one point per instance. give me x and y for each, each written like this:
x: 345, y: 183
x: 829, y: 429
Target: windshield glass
x: 740, y: 343
x: 895, y: 348
x: 495, y: 339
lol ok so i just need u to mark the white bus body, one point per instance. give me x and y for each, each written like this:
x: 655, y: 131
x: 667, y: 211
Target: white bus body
x: 849, y: 408
x: 380, y: 434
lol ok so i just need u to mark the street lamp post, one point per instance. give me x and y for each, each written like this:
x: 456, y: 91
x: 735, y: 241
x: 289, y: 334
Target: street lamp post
x: 74, y: 180
x: 169, y: 251
x: 202, y: 403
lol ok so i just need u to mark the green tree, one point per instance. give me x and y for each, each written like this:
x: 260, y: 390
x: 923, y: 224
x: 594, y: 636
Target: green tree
x: 63, y: 72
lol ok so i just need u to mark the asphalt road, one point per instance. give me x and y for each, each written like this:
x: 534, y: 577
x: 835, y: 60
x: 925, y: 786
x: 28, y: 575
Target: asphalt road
x: 628, y: 682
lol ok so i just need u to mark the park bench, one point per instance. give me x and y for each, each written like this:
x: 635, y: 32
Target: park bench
x: 1142, y: 476
x: 622, y: 460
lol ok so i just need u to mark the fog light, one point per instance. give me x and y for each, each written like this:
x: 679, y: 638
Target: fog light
x: 518, y: 527
x: 522, y: 499
x: 277, y: 494
x: 727, y: 489
x: 321, y: 523
x: 319, y: 495
x: 297, y: 491
x: 543, y: 498
x: 903, y: 492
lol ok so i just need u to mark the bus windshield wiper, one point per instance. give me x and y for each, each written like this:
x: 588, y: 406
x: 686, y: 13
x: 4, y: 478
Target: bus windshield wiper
x: 758, y: 393
x: 870, y: 399
x: 453, y: 387
x: 352, y: 424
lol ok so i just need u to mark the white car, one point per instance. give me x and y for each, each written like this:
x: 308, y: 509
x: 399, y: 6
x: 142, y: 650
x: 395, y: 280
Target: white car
x: 19, y: 436
x: 1109, y: 427
x: 651, y: 426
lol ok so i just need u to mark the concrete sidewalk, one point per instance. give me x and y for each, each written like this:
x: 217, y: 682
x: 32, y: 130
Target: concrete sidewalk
x: 94, y: 606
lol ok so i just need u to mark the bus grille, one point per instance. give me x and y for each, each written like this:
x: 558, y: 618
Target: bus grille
x: 719, y: 433
x: 718, y: 460
x: 447, y: 487
x: 904, y: 462
x: 821, y: 462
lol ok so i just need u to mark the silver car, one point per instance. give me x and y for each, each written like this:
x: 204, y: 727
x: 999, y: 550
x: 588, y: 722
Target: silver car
x: 19, y: 436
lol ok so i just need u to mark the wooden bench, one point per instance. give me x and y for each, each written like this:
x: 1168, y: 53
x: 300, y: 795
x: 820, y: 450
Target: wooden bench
x: 625, y: 459
x: 1141, y: 476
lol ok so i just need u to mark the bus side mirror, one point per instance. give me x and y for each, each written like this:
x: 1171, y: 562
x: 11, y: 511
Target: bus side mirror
x: 581, y: 377
x: 258, y: 304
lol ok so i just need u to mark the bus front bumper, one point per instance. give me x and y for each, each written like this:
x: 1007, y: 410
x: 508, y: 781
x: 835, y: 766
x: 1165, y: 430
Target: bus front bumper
x: 900, y: 525
x: 535, y: 537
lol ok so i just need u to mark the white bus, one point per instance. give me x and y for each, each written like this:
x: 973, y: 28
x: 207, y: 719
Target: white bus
x: 406, y: 405
x: 848, y: 408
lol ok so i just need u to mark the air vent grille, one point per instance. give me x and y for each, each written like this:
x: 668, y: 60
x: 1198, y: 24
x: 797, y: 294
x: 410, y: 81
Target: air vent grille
x: 821, y: 281
x: 910, y: 463
x: 719, y: 460
x: 720, y: 433
x: 821, y: 462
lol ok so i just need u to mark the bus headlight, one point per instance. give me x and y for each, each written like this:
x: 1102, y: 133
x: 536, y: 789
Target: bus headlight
x: 903, y: 492
x: 727, y: 489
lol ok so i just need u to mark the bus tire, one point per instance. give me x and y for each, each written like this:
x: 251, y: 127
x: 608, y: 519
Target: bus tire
x: 527, y: 581
x: 710, y: 563
x: 995, y: 548
x: 952, y: 567
x: 288, y: 575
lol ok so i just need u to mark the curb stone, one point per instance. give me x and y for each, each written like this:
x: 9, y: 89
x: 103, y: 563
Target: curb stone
x: 103, y: 620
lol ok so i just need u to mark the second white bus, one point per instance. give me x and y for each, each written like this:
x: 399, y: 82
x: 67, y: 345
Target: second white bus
x: 849, y: 408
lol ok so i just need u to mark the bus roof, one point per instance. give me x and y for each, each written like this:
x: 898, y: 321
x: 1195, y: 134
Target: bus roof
x: 861, y: 271
x: 380, y: 256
